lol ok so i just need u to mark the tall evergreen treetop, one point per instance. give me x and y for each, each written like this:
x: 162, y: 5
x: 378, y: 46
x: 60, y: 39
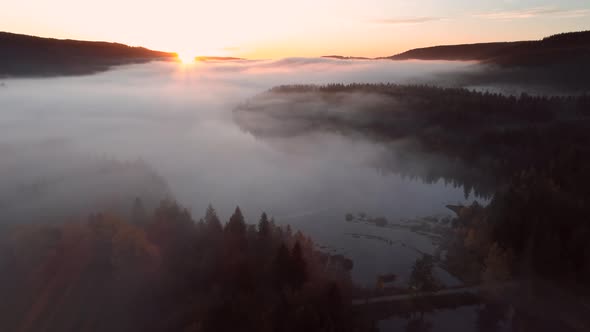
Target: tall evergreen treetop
x: 264, y: 226
x: 212, y: 220
x: 237, y: 223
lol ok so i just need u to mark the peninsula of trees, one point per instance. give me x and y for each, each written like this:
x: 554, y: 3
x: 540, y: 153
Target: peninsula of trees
x: 530, y: 154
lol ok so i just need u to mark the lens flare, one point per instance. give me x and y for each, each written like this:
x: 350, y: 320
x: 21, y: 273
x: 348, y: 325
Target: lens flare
x: 186, y: 58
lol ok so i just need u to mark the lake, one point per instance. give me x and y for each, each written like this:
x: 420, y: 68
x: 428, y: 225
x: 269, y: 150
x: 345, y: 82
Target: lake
x: 177, y: 120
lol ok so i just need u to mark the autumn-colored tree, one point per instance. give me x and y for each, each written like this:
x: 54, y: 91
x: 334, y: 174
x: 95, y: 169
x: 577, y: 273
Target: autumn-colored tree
x: 422, y: 278
x: 498, y: 265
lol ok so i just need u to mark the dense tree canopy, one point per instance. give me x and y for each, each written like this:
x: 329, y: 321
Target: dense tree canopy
x: 168, y: 272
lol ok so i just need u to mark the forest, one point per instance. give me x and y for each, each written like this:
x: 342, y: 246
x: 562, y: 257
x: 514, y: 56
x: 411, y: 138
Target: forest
x: 165, y: 271
x: 528, y: 154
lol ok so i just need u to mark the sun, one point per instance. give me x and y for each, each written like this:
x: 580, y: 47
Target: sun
x: 186, y: 58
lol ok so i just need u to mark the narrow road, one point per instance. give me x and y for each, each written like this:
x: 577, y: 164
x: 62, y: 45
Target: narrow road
x: 403, y: 297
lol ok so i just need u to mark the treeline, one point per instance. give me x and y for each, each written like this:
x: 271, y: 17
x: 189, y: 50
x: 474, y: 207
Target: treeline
x: 568, y: 38
x: 165, y: 271
x: 479, y: 139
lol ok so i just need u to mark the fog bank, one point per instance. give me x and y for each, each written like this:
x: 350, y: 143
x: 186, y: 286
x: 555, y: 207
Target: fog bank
x: 177, y: 120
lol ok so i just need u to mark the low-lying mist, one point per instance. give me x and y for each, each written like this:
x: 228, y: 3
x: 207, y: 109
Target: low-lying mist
x: 475, y: 139
x: 74, y: 145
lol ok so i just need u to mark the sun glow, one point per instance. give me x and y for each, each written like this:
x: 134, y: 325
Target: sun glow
x: 186, y: 58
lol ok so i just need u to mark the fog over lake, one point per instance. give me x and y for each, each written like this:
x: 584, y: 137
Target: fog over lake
x: 71, y: 144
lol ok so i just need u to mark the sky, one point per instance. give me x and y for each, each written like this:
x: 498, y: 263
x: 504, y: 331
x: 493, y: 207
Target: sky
x: 277, y: 28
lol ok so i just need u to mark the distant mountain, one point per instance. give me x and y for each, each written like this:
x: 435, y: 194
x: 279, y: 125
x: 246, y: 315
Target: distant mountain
x: 340, y: 57
x: 464, y: 52
x: 24, y: 55
x: 565, y: 48
x: 217, y: 58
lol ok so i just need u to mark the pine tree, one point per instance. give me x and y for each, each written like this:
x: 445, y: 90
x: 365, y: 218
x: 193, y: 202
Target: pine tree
x: 288, y: 233
x: 264, y: 226
x: 212, y: 221
x: 298, y: 267
x: 236, y: 224
x: 422, y: 278
x: 282, y: 266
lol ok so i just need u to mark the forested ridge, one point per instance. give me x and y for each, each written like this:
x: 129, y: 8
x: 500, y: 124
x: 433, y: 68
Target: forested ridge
x: 24, y: 55
x: 571, y: 47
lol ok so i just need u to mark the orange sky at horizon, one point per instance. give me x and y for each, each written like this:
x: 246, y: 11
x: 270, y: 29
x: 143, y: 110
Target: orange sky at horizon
x: 263, y: 29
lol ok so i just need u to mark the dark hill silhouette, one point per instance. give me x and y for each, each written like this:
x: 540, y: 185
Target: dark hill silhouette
x: 217, y: 58
x: 565, y: 48
x: 24, y: 55
x: 341, y: 57
x: 463, y: 52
